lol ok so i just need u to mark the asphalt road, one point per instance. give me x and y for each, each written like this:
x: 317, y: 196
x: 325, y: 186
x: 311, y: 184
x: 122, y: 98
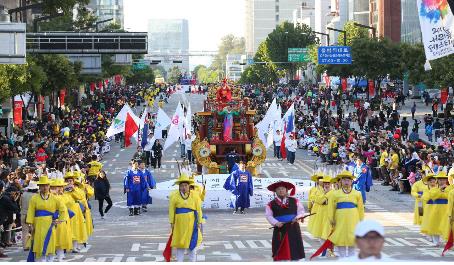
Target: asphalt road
x: 230, y: 237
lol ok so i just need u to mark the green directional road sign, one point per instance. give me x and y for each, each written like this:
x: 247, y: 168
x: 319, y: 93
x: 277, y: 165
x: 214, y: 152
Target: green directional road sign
x: 298, y: 55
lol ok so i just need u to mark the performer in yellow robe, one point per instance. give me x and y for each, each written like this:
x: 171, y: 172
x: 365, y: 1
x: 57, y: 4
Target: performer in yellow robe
x: 79, y: 228
x: 322, y: 227
x: 185, y: 217
x: 417, y: 190
x: 431, y: 182
x: 313, y: 193
x: 89, y: 192
x: 345, y: 210
x: 436, y: 199
x: 451, y: 211
x: 43, y: 211
x: 63, y: 230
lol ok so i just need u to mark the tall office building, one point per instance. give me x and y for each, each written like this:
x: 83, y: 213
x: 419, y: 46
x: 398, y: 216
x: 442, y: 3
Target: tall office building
x: 322, y: 17
x: 168, y: 41
x: 386, y: 17
x: 359, y: 11
x: 305, y: 13
x: 262, y: 17
x: 411, y: 29
x: 107, y: 9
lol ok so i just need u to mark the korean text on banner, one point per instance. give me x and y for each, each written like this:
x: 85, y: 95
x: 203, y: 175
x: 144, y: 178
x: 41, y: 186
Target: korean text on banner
x: 437, y: 27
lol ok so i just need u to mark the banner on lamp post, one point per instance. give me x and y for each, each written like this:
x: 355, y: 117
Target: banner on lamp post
x: 371, y: 86
x: 17, y: 114
x: 444, y: 95
x: 344, y: 84
x: 437, y: 27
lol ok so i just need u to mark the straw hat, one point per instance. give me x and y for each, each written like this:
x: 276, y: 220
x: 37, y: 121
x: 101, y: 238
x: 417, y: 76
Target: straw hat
x: 441, y: 175
x: 184, y: 178
x: 43, y: 180
x: 58, y: 183
x: 70, y: 175
x: 334, y: 180
x: 345, y: 174
x: 316, y: 176
x: 325, y: 179
x: 427, y: 177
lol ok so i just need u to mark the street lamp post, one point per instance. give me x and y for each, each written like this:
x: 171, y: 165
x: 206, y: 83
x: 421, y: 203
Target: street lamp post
x: 339, y: 30
x: 374, y: 30
x: 324, y: 34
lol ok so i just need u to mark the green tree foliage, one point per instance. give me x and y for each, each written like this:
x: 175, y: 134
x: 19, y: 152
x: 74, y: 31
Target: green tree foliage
x: 50, y: 7
x: 285, y: 36
x: 159, y: 71
x: 206, y: 75
x: 174, y: 75
x: 141, y: 76
x: 60, y: 72
x: 229, y: 45
x: 353, y: 33
x: 263, y: 70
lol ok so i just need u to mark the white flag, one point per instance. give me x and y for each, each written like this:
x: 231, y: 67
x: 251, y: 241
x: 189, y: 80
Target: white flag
x: 264, y: 125
x: 275, y: 125
x: 162, y: 121
x: 188, y: 120
x: 175, y: 127
x: 118, y: 124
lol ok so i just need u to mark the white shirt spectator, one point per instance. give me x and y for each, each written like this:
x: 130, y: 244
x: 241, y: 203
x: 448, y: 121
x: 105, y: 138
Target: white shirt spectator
x: 277, y: 139
x: 290, y: 144
x: 188, y: 143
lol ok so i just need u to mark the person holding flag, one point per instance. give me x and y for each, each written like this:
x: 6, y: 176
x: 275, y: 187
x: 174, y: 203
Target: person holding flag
x: 345, y: 211
x: 185, y: 217
x: 284, y: 213
x: 289, y: 126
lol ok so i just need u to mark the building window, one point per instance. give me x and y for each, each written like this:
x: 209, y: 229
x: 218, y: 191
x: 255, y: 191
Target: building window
x: 277, y: 18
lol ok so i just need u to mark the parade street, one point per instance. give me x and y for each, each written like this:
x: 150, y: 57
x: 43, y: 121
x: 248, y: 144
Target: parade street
x: 229, y: 237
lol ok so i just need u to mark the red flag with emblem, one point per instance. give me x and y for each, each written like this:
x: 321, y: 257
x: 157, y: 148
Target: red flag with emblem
x: 131, y: 127
x: 167, y: 253
x: 449, y: 244
x: 283, y: 252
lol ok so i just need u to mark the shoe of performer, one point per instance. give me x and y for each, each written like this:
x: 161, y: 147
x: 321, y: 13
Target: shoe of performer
x: 242, y: 212
x: 131, y: 211
x: 102, y: 217
x: 234, y: 212
x: 144, y: 208
x: 3, y: 255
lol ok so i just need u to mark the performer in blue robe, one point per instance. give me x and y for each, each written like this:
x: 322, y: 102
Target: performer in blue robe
x: 242, y: 188
x: 135, y: 184
x: 151, y: 184
x: 360, y: 172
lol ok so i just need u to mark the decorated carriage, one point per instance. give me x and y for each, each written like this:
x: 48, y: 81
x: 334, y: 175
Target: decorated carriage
x: 227, y: 123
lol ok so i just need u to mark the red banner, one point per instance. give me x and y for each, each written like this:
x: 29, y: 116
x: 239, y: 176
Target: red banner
x: 327, y: 80
x: 92, y: 87
x: 100, y: 85
x: 117, y: 79
x: 17, y: 114
x: 371, y: 88
x: 444, y: 95
x: 62, y: 96
x: 344, y: 84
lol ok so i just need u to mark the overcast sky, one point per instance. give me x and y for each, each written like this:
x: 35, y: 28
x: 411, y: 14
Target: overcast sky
x: 208, y: 20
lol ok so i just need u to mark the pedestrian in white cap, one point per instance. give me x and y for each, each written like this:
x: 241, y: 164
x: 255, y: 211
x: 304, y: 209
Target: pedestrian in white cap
x: 370, y: 237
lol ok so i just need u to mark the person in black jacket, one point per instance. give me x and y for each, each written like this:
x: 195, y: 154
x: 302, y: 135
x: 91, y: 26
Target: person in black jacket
x: 8, y: 207
x: 102, y: 187
x: 157, y: 151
